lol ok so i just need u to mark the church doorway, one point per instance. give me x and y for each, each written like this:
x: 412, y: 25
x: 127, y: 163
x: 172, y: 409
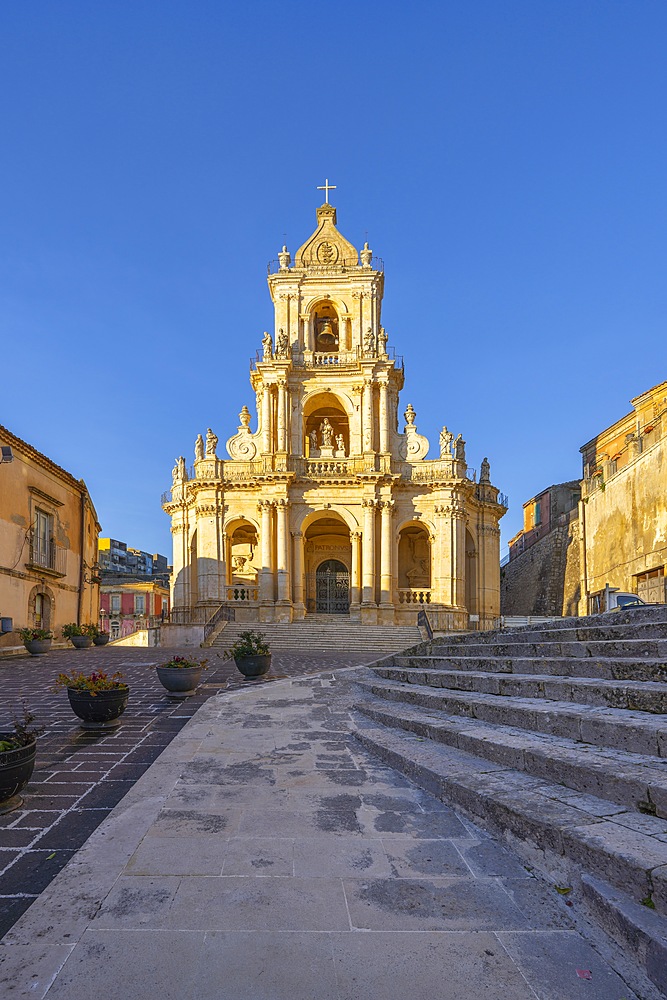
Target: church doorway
x: 332, y: 588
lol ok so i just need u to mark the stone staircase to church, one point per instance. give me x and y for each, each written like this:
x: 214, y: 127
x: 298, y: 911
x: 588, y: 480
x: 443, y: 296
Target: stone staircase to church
x: 556, y: 738
x: 326, y: 633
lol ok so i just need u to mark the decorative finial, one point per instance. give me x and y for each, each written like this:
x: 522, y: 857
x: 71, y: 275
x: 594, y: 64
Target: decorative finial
x: 284, y: 258
x: 366, y: 255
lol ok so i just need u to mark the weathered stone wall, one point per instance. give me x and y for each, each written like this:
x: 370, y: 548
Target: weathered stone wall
x: 545, y: 579
x: 626, y: 522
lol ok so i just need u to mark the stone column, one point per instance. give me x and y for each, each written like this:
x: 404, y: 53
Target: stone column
x: 368, y: 415
x: 459, y: 555
x: 282, y: 552
x: 266, y: 572
x: 355, y: 596
x: 299, y: 605
x: 441, y: 557
x: 178, y: 589
x: 266, y: 420
x: 282, y: 415
x: 386, y: 554
x: 208, y: 554
x: 368, y: 553
x: 384, y: 418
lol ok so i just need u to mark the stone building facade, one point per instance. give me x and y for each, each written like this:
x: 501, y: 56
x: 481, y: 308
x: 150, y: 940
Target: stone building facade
x: 616, y: 535
x: 48, y: 543
x: 327, y: 507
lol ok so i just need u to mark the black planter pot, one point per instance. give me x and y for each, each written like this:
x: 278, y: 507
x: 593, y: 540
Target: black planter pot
x: 100, y: 711
x: 101, y: 639
x: 81, y: 641
x: 37, y: 647
x: 180, y: 682
x: 16, y: 768
x: 253, y: 666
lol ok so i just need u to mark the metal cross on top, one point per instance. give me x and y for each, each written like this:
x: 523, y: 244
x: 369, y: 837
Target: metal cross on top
x: 326, y: 187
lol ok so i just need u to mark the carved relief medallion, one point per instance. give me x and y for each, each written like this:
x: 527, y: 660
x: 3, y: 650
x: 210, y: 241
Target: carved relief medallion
x: 327, y: 253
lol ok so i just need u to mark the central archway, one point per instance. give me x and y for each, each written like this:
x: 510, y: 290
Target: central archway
x: 332, y: 588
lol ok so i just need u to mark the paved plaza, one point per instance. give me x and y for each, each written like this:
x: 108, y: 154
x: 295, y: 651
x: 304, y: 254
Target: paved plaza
x: 265, y: 855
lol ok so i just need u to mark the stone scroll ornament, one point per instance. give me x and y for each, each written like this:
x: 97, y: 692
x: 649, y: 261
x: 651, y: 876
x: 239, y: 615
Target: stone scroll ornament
x: 412, y: 447
x: 242, y: 446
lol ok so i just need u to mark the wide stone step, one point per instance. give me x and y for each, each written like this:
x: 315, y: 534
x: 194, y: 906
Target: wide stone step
x: 655, y: 649
x: 630, y: 781
x: 325, y: 636
x: 637, y: 732
x: 641, y: 696
x: 570, y: 629
x: 608, y: 669
x: 533, y: 815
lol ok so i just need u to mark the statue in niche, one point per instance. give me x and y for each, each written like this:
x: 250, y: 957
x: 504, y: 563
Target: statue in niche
x: 326, y: 433
x: 446, y: 438
x: 199, y: 448
x: 211, y: 443
x: 485, y: 472
x: 267, y: 345
x: 340, y: 443
x: 282, y: 344
x: 382, y: 341
x: 313, y: 441
x: 410, y: 414
x: 459, y: 448
x: 369, y: 342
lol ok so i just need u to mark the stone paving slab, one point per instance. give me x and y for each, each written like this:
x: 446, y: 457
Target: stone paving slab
x: 379, y: 892
x: 79, y: 777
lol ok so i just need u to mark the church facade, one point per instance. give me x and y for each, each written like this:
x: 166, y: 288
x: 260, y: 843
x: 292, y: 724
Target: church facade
x: 327, y: 507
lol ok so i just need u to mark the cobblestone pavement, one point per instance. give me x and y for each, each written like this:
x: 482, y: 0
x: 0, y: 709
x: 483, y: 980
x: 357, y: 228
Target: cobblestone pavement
x: 268, y: 856
x: 80, y: 777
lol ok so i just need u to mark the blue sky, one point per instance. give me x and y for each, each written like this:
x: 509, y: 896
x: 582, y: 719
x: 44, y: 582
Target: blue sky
x: 507, y: 159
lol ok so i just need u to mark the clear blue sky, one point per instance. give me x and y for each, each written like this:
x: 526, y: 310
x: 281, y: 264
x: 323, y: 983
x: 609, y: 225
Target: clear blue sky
x: 506, y: 157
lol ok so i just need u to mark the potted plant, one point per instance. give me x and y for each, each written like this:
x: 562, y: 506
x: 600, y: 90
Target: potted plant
x: 180, y: 676
x: 17, y: 760
x: 100, y: 638
x: 81, y: 636
x: 97, y: 699
x: 251, y: 654
x: 36, y: 640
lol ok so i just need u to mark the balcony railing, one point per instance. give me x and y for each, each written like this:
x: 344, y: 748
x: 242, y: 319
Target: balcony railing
x: 49, y: 556
x: 242, y: 593
x: 273, y: 267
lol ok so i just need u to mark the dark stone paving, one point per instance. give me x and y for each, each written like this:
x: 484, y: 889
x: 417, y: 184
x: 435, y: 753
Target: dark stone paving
x: 79, y: 776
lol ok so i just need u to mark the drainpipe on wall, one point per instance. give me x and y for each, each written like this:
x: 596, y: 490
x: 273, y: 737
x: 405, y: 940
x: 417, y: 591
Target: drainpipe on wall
x: 583, y: 568
x: 81, y: 560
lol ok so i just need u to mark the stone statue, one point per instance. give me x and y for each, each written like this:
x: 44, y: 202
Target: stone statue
x: 410, y: 414
x: 382, y: 340
x: 484, y: 476
x: 340, y: 443
x: 313, y: 440
x: 446, y: 438
x: 369, y: 342
x: 459, y: 448
x: 267, y: 344
x: 179, y: 473
x: 211, y: 443
x: 174, y: 474
x: 282, y: 345
x: 199, y: 448
x: 326, y: 433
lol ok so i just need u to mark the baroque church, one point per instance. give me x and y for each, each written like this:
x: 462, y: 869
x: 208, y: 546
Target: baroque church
x: 327, y: 507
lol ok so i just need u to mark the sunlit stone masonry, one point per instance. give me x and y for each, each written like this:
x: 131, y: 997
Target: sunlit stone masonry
x: 327, y: 507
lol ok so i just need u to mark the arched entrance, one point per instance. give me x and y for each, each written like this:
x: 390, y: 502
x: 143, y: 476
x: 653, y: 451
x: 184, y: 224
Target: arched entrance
x: 332, y: 588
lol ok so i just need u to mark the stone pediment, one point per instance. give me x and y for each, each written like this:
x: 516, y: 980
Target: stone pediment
x: 326, y: 247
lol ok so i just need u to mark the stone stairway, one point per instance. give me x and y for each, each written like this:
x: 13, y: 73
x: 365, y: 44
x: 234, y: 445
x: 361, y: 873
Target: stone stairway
x: 554, y: 737
x: 326, y: 633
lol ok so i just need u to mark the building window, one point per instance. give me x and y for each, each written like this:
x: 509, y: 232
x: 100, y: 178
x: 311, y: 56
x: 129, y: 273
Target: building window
x: 43, y: 548
x: 537, y: 514
x: 650, y: 586
x: 115, y: 604
x: 140, y: 604
x: 164, y: 605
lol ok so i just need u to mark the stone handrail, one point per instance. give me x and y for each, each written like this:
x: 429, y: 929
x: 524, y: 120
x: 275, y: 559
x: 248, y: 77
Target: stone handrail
x: 414, y: 595
x: 242, y: 593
